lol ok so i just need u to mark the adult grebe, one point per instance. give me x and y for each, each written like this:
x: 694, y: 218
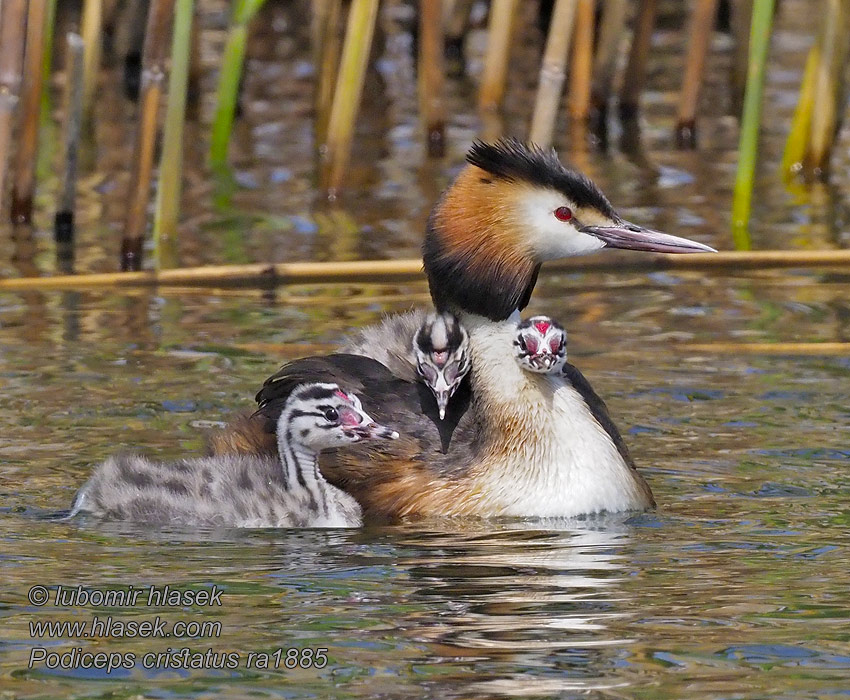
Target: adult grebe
x: 514, y: 442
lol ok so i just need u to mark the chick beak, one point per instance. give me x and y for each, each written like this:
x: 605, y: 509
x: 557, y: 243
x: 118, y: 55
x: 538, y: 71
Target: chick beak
x: 443, y: 397
x: 632, y: 237
x: 375, y: 431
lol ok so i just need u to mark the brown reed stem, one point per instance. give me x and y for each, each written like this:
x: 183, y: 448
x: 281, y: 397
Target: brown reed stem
x: 348, y: 91
x: 553, y: 73
x: 12, y: 18
x: 431, y: 75
x: 611, y: 30
x: 635, y: 74
x: 327, y: 17
x: 153, y: 76
x: 581, y: 68
x: 23, y: 185
x: 73, y: 108
x: 499, y: 31
x: 742, y: 14
x: 699, y: 40
x: 92, y: 32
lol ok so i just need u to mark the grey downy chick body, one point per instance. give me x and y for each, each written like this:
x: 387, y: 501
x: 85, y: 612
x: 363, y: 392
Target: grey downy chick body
x: 418, y: 346
x: 248, y: 491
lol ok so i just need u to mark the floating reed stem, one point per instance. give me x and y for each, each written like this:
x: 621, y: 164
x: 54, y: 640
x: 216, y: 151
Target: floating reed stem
x: 431, y: 75
x: 349, y: 89
x: 327, y: 17
x: 12, y: 18
x: 74, y: 91
x: 759, y: 43
x: 396, y: 271
x: 699, y: 40
x: 581, y: 69
x: 552, y: 73
x: 229, y: 79
x: 499, y: 31
x: 828, y: 87
x: 635, y: 74
x: 91, y: 28
x: 611, y: 30
x: 24, y: 167
x: 153, y: 75
x: 170, y: 186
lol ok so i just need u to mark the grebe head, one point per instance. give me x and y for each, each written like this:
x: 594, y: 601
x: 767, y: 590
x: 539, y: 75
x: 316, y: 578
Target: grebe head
x: 513, y: 207
x: 442, y: 361
x: 319, y: 416
x: 541, y: 345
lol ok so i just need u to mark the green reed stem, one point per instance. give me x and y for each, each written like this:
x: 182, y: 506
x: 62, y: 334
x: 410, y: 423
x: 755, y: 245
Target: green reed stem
x: 171, y: 161
x: 748, y: 147
x: 228, y: 82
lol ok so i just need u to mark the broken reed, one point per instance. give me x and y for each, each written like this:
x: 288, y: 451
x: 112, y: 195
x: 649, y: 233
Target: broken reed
x: 170, y: 186
x: 553, y: 72
x: 700, y: 32
x: 747, y: 149
x: 431, y: 73
x: 356, y: 48
x: 153, y: 75
x: 229, y: 80
x: 23, y: 174
x: 73, y: 109
x: 12, y: 18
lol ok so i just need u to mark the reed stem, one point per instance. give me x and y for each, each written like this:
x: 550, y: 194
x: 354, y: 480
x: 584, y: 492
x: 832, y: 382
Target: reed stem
x: 699, y: 40
x: 798, y: 134
x: 581, y: 69
x: 742, y: 201
x: 229, y: 79
x: 73, y: 108
x: 91, y: 29
x: 828, y: 87
x: 431, y: 75
x: 553, y: 73
x: 393, y: 271
x: 153, y: 75
x: 170, y: 186
x: 611, y: 30
x: 742, y: 14
x: 23, y: 185
x: 327, y: 18
x: 12, y: 18
x: 635, y: 74
x: 349, y: 89
x: 499, y: 31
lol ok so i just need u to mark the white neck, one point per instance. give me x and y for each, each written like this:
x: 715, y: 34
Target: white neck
x: 544, y: 453
x: 301, y: 470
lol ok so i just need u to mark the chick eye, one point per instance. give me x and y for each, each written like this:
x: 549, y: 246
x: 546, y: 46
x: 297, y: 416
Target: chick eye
x: 332, y: 415
x: 563, y: 213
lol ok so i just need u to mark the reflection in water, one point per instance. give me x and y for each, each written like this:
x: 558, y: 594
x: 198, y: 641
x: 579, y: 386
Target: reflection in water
x: 742, y: 568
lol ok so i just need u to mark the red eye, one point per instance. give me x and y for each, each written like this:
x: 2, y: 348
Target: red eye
x: 563, y: 213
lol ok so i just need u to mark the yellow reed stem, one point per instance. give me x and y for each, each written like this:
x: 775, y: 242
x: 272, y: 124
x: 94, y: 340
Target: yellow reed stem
x: 499, y: 31
x: 349, y: 89
x: 553, y: 72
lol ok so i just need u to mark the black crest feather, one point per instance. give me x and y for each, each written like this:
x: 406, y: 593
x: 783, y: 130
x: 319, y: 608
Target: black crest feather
x: 511, y: 159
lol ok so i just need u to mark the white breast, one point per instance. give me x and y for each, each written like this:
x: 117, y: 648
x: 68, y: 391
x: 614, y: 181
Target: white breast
x: 547, y: 456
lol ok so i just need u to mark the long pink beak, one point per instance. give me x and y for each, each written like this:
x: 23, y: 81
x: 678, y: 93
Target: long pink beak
x: 633, y: 237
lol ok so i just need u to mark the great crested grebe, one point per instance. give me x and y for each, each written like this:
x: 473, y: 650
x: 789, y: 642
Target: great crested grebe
x: 418, y: 346
x: 286, y: 490
x: 515, y: 442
